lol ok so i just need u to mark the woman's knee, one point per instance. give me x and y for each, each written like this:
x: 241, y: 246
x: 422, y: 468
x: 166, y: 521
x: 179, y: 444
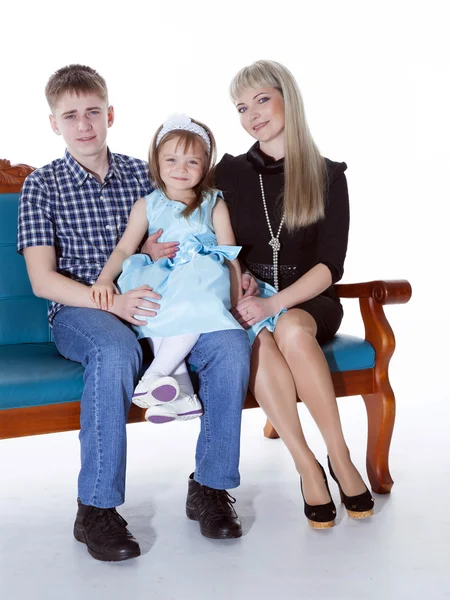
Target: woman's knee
x: 296, y: 333
x: 264, y: 348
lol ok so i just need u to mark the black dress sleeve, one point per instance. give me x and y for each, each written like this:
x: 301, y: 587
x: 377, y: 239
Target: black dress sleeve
x: 224, y: 178
x: 333, y: 229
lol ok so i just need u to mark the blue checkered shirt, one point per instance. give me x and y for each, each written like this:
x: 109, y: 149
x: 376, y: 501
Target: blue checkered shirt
x: 64, y: 206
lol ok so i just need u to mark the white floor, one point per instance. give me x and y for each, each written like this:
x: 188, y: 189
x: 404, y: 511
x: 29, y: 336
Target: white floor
x: 403, y: 551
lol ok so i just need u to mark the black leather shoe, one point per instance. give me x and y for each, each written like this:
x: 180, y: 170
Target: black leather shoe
x: 213, y: 509
x: 105, y: 533
x: 358, y: 507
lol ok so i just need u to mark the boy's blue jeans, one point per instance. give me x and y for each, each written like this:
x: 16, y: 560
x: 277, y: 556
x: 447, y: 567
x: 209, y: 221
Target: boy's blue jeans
x: 112, y: 358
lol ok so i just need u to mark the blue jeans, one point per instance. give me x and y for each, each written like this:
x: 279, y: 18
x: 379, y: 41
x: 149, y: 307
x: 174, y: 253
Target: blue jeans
x: 222, y: 361
x: 112, y: 358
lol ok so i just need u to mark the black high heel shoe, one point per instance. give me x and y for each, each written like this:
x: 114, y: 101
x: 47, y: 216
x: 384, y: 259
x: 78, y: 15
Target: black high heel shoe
x: 358, y: 507
x: 320, y: 516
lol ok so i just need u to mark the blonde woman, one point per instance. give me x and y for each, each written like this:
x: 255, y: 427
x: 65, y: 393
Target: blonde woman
x: 290, y: 213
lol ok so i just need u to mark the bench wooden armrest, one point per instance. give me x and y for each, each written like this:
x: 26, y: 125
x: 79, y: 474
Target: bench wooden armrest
x: 395, y: 291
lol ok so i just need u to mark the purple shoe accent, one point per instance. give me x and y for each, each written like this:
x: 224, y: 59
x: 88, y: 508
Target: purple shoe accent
x: 164, y: 393
x: 192, y: 412
x: 157, y: 419
x: 140, y: 394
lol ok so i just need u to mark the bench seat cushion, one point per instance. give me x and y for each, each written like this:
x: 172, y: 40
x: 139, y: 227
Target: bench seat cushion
x: 348, y: 353
x: 36, y: 374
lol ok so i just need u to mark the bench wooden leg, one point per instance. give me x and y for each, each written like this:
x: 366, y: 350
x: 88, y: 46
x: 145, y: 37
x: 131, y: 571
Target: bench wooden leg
x: 270, y: 431
x: 380, y: 408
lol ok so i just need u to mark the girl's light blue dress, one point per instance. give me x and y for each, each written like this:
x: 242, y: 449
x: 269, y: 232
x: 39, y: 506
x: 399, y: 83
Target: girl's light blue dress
x: 195, y: 284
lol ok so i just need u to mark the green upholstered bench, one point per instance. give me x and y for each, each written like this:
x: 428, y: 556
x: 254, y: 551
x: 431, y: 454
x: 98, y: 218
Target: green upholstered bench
x: 40, y: 390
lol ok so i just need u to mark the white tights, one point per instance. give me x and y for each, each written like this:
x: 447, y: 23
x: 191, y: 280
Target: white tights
x: 169, y: 358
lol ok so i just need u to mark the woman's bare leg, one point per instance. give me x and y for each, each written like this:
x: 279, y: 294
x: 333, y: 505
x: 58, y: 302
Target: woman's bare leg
x: 272, y: 385
x: 295, y: 335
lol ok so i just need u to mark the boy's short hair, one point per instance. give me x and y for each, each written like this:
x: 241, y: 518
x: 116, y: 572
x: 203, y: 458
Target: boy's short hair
x: 75, y: 79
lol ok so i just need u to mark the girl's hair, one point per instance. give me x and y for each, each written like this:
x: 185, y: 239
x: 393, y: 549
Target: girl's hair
x: 75, y: 79
x: 304, y: 167
x: 188, y: 139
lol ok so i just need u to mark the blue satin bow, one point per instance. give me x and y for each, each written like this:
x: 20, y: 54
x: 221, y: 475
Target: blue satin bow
x: 186, y: 252
x: 194, y: 245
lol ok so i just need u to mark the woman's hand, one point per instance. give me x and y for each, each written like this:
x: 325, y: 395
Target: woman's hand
x: 251, y: 310
x: 249, y: 285
x: 158, y: 250
x: 102, y: 293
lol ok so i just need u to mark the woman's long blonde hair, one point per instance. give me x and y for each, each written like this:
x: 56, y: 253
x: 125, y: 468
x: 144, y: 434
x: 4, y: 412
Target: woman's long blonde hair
x: 304, y: 167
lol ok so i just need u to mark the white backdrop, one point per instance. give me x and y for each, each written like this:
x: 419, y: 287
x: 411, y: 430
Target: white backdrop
x: 376, y: 84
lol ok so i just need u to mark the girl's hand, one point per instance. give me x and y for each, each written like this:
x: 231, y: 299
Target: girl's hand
x: 251, y: 310
x: 102, y: 293
x: 158, y: 250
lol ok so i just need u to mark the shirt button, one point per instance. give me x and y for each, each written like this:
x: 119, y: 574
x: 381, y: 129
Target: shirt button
x: 108, y: 227
x: 101, y: 197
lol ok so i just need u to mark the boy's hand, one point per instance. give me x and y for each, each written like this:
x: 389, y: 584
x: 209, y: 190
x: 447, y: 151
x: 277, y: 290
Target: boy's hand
x: 158, y: 250
x: 102, y: 293
x: 135, y: 302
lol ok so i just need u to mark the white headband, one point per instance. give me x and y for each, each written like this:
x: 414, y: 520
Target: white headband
x: 183, y: 122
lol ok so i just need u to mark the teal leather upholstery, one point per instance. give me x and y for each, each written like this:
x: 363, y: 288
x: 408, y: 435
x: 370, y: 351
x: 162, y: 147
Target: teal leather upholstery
x: 33, y: 373
x: 23, y: 317
x: 348, y: 353
x: 36, y: 374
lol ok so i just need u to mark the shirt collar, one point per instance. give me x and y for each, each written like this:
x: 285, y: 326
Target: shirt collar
x: 75, y: 169
x: 80, y: 174
x: 262, y: 163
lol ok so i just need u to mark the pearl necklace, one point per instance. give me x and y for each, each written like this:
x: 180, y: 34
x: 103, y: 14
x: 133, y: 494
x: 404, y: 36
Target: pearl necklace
x: 274, y: 239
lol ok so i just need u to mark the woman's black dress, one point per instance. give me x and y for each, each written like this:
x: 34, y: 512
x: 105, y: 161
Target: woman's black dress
x: 324, y: 242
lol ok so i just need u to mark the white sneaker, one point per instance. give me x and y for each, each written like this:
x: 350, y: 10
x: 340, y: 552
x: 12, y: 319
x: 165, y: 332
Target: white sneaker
x: 185, y: 407
x: 154, y: 389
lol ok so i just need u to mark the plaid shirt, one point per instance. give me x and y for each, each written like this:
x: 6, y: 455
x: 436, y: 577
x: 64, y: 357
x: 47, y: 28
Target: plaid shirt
x: 64, y: 206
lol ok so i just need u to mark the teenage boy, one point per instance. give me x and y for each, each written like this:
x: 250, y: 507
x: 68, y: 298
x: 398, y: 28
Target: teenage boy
x: 72, y: 213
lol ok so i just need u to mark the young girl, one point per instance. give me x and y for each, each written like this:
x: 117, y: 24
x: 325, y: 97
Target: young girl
x: 194, y: 283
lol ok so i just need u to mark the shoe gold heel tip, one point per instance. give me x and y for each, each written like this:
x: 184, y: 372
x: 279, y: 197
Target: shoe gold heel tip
x: 360, y: 515
x: 317, y: 525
